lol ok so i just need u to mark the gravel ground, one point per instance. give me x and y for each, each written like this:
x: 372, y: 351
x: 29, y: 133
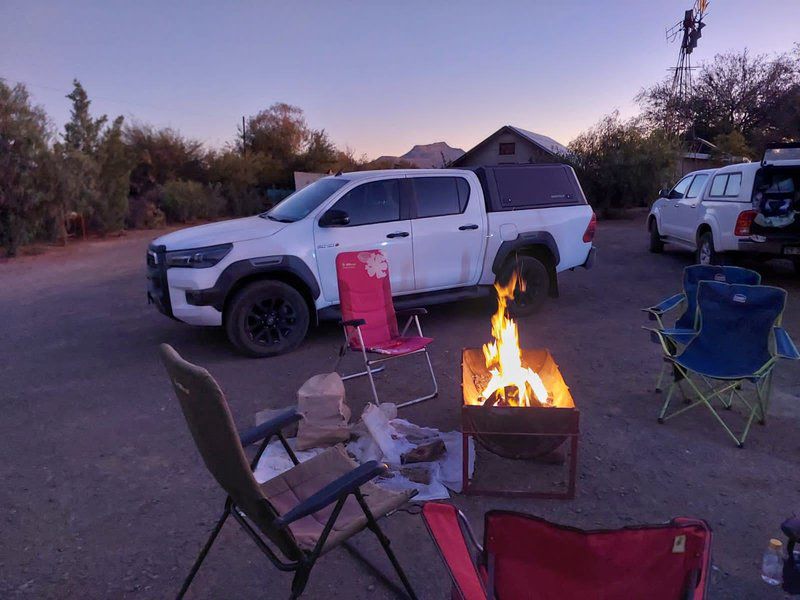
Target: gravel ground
x: 105, y: 496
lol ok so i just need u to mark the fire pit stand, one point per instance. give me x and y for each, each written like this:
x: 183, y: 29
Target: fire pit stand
x: 519, y: 432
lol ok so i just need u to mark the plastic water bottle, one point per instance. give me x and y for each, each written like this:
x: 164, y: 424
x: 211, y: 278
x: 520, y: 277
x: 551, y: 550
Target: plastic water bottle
x: 772, y: 563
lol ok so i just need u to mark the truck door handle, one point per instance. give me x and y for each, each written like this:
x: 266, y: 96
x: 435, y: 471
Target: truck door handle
x: 397, y: 234
x: 677, y: 204
x: 466, y: 227
x: 693, y: 206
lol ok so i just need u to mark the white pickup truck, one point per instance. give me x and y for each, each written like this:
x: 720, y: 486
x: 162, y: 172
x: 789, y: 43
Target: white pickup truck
x: 751, y: 208
x: 448, y: 234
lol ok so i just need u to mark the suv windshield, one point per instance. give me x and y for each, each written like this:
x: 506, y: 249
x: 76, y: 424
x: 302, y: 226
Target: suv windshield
x: 302, y: 202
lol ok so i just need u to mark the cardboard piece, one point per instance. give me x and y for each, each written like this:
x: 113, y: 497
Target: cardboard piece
x: 320, y: 401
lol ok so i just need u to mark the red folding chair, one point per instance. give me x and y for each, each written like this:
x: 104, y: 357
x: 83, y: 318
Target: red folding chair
x: 369, y: 319
x: 525, y: 558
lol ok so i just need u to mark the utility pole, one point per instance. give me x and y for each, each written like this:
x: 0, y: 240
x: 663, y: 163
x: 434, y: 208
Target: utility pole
x: 244, y: 139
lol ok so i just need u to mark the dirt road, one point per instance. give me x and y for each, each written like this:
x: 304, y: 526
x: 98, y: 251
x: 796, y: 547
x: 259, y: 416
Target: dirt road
x: 104, y: 495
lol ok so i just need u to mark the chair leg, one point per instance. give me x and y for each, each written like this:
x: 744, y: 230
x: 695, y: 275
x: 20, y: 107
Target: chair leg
x: 664, y: 367
x: 372, y: 524
x: 435, y: 385
x: 299, y: 582
x: 196, y: 566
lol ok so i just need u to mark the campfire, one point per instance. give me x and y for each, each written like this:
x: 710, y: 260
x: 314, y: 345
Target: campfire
x: 516, y: 404
x: 511, y: 376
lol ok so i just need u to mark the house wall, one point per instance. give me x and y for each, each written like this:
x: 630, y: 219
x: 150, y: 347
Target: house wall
x: 489, y: 153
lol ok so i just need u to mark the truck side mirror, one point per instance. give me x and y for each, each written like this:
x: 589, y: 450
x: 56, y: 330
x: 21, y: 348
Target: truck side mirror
x: 334, y: 218
x: 663, y: 193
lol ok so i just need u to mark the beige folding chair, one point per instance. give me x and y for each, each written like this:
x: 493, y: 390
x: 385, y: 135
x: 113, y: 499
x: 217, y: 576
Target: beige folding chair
x: 297, y: 516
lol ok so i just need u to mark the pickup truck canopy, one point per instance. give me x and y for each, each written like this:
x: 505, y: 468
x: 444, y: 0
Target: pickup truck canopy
x: 782, y: 155
x: 527, y: 186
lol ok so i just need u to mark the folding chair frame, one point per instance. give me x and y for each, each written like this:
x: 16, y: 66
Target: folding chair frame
x: 337, y: 491
x: 655, y: 313
x: 762, y: 381
x: 369, y: 363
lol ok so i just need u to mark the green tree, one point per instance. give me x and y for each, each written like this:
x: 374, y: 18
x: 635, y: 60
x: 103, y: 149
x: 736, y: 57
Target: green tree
x: 732, y: 146
x: 161, y: 155
x: 320, y: 154
x: 113, y: 180
x: 282, y: 135
x: 754, y: 95
x: 621, y: 164
x: 82, y: 133
x: 24, y: 152
x: 94, y: 161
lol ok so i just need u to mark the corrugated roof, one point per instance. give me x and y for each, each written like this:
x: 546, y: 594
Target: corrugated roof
x: 547, y: 143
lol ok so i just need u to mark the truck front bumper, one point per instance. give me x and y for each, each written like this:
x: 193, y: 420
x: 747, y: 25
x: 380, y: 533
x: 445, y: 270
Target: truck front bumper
x: 172, y: 300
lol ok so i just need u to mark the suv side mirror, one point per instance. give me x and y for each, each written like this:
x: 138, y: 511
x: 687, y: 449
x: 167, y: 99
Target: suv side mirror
x: 663, y: 193
x: 334, y: 218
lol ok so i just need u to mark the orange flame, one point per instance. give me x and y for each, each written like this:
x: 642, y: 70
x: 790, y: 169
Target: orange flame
x: 504, y: 358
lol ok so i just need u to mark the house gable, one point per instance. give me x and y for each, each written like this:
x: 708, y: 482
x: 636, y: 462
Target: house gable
x: 508, y: 145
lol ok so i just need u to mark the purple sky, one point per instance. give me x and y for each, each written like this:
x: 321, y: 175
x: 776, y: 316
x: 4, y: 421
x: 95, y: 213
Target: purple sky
x: 379, y: 77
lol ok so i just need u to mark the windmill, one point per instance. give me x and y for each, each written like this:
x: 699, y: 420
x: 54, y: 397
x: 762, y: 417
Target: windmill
x: 690, y: 30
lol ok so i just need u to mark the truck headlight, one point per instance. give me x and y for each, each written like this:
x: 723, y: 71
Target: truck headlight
x: 198, y: 258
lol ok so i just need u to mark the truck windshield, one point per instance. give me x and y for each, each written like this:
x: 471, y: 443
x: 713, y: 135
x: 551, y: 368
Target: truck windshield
x: 302, y: 202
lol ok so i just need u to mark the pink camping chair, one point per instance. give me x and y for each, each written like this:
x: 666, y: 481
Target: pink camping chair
x: 369, y: 319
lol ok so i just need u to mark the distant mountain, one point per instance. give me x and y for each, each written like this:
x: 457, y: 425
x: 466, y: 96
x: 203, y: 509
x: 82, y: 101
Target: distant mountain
x: 425, y: 156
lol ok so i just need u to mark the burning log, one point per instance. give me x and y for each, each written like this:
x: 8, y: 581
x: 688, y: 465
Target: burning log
x: 509, y: 429
x: 515, y: 401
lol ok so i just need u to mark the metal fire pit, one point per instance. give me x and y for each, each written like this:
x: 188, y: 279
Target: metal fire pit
x: 518, y: 432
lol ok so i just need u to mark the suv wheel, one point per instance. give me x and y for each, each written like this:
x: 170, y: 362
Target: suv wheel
x: 706, y: 255
x: 266, y: 318
x: 656, y: 245
x: 528, y: 298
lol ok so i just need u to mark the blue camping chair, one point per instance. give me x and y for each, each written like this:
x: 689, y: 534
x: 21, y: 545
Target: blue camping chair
x: 685, y: 326
x: 739, y: 340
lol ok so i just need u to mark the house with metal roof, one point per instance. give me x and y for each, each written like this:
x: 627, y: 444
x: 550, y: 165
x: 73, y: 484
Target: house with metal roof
x: 512, y: 145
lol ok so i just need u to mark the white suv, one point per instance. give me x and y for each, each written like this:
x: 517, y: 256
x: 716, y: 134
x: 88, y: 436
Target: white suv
x: 448, y: 234
x: 750, y: 207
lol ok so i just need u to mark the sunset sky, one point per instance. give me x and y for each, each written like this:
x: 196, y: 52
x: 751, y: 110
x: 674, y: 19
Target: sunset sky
x: 378, y: 76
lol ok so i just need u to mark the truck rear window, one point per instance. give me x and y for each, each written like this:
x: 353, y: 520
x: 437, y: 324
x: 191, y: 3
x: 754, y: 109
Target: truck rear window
x: 542, y: 186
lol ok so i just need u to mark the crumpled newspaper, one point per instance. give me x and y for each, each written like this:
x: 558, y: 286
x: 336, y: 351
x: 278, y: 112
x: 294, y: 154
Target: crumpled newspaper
x: 381, y: 436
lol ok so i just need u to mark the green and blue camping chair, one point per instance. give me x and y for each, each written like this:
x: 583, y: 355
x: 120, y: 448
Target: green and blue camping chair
x: 739, y: 340
x: 685, y: 326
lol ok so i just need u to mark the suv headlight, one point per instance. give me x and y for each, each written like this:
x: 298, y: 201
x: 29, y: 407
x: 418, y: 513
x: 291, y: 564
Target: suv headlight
x: 198, y: 258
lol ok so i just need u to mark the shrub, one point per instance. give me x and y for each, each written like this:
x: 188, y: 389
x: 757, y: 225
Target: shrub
x: 622, y: 164
x: 143, y: 211
x: 185, y: 201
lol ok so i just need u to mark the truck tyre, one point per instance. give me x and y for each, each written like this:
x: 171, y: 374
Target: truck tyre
x: 266, y: 318
x: 537, y: 284
x: 656, y: 245
x: 706, y: 255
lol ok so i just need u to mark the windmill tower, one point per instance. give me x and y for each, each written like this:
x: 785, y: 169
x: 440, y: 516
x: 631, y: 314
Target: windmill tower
x: 690, y: 30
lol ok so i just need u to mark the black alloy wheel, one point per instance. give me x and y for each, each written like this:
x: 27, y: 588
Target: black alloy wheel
x: 267, y: 318
x: 533, y: 284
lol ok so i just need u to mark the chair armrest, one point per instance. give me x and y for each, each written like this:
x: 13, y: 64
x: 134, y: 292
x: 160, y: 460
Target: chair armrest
x: 353, y: 323
x: 411, y: 312
x: 269, y: 428
x: 658, y: 336
x: 332, y: 492
x: 680, y: 336
x: 665, y: 306
x: 784, y: 345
